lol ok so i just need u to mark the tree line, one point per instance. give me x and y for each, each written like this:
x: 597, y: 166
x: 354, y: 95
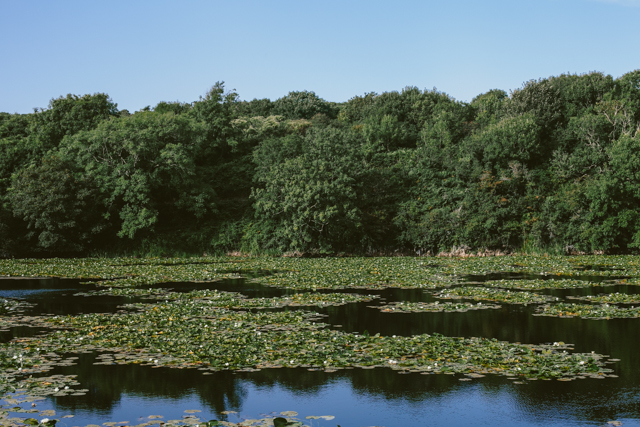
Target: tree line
x: 551, y: 166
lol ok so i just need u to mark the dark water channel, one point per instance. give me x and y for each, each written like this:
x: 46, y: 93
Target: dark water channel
x: 356, y: 397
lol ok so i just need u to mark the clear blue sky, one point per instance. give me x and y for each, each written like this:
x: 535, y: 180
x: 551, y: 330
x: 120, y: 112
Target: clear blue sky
x: 143, y: 52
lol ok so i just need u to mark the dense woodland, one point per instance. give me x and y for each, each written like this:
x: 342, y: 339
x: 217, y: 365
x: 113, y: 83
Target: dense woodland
x: 553, y: 166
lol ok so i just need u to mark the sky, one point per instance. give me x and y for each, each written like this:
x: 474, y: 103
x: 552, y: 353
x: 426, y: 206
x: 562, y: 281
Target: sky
x: 142, y: 52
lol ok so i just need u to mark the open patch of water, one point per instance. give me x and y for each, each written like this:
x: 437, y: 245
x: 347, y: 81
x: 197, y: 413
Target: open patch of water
x: 56, y: 296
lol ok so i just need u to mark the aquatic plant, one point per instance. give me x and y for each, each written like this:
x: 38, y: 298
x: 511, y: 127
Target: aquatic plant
x: 491, y: 294
x: 588, y: 311
x: 420, y: 307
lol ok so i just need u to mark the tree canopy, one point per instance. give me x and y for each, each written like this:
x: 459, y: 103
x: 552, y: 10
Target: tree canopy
x: 553, y: 165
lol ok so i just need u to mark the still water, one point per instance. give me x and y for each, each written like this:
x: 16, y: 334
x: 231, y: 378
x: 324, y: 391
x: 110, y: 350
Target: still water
x: 356, y: 397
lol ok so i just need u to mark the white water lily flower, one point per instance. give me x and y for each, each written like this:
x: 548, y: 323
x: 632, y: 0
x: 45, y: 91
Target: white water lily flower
x: 44, y: 420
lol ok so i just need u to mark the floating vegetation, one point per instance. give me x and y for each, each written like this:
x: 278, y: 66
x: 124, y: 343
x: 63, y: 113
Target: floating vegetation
x: 295, y: 300
x: 587, y: 311
x: 8, y: 416
x: 238, y: 301
x: 319, y: 273
x: 497, y: 295
x: 614, y: 298
x: 357, y: 273
x: 212, y: 330
x: 421, y: 307
x: 13, y: 306
x: 539, y: 284
x: 193, y: 334
x: 125, y: 292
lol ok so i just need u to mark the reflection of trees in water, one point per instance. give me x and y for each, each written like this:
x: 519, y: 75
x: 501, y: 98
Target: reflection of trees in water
x: 586, y: 400
x: 107, y: 383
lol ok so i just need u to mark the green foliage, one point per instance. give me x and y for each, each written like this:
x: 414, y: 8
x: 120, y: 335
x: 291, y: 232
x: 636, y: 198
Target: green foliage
x: 172, y: 107
x: 512, y: 139
x: 255, y: 107
x: 310, y: 199
x: 58, y: 205
x: 489, y: 106
x: 68, y: 116
x: 302, y: 105
x: 144, y: 166
x: 551, y: 167
x: 216, y: 110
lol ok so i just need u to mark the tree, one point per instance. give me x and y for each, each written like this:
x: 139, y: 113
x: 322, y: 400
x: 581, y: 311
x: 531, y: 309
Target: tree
x: 68, y: 116
x: 309, y: 199
x: 59, y: 206
x: 489, y: 106
x: 302, y: 105
x: 216, y: 110
x: 172, y: 107
x: 144, y: 166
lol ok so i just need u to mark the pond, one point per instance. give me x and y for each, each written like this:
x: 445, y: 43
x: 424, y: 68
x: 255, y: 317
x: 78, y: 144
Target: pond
x: 133, y: 393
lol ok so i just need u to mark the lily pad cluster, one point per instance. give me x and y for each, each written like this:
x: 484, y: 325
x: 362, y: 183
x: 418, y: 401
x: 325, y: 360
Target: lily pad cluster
x: 539, y: 284
x: 588, y: 311
x: 125, y: 292
x: 237, y: 301
x: 10, y: 306
x: 11, y: 415
x: 421, y: 307
x: 613, y: 298
x: 356, y: 273
x: 491, y: 294
x: 193, y: 334
x: 22, y: 368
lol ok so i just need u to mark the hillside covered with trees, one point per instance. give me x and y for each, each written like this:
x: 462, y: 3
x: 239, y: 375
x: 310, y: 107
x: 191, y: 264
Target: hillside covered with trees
x: 552, y: 166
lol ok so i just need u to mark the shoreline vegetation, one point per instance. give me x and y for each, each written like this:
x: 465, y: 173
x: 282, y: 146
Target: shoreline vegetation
x: 550, y: 168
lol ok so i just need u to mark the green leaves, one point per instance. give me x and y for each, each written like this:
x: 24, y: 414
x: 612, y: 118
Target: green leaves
x: 588, y: 311
x: 141, y: 163
x: 489, y: 294
x: 58, y: 203
x: 311, y: 198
